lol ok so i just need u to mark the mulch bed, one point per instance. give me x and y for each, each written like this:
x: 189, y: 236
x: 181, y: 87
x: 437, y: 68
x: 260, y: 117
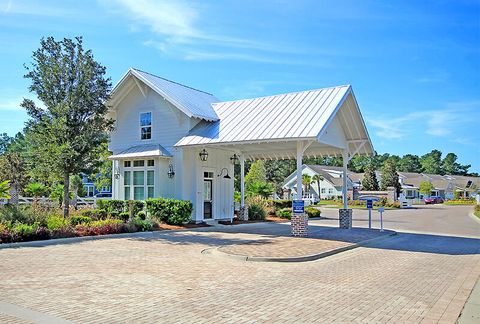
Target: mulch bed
x: 164, y: 226
x: 269, y: 218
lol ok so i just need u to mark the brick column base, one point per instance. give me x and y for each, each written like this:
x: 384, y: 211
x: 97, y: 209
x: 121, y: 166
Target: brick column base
x: 299, y: 224
x: 345, y: 218
x: 243, y: 214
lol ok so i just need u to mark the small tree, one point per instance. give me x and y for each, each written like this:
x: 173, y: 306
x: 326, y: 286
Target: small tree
x: 425, y: 188
x: 306, y: 180
x: 66, y: 133
x: 318, y: 178
x: 35, y: 189
x: 370, y: 182
x: 390, y: 176
x: 4, y: 189
x: 12, y: 168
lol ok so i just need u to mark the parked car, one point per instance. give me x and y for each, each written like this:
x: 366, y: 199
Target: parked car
x: 103, y: 195
x: 433, y: 200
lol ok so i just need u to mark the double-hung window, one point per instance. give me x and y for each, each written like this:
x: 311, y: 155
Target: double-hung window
x: 145, y: 125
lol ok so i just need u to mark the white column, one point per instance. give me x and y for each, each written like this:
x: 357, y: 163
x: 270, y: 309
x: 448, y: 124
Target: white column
x: 242, y: 180
x: 344, y: 185
x: 299, y: 169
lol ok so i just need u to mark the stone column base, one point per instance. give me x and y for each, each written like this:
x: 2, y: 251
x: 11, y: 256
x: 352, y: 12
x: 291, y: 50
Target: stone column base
x: 345, y: 218
x: 299, y: 224
x: 243, y: 214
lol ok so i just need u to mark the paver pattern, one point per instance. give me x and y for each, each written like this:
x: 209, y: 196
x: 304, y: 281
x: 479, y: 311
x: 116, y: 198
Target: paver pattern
x: 164, y: 278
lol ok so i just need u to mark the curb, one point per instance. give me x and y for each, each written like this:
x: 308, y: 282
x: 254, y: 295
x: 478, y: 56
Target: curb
x: 475, y: 218
x: 303, y: 258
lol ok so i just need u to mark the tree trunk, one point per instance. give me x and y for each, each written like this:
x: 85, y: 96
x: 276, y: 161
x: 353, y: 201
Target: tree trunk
x: 13, y: 195
x: 75, y: 197
x: 319, y: 194
x: 66, y: 196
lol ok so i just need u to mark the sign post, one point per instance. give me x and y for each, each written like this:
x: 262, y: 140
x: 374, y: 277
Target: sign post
x: 381, y: 210
x: 369, y: 207
x: 298, y: 206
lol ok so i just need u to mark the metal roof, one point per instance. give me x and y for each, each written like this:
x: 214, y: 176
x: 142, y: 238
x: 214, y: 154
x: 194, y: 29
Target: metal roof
x: 193, y: 102
x: 289, y: 116
x: 141, y: 151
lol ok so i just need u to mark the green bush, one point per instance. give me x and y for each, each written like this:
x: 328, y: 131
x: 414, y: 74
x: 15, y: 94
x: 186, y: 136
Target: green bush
x: 171, y: 211
x: 95, y: 213
x: 56, y: 222
x: 26, y: 214
x: 76, y: 220
x: 111, y: 205
x: 281, y: 203
x: 257, y: 208
x: 460, y: 202
x: 285, y: 213
x: 142, y: 225
x: 125, y: 216
x: 312, y: 212
x: 134, y: 206
x: 25, y: 231
x: 142, y: 215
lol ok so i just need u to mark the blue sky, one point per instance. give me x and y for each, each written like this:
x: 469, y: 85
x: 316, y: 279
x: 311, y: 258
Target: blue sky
x: 414, y: 65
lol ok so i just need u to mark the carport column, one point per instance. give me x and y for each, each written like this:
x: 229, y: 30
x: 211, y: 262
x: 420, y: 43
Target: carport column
x: 299, y: 221
x: 345, y: 214
x: 243, y: 213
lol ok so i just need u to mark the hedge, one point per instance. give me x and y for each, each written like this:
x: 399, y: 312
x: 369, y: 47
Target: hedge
x: 171, y: 211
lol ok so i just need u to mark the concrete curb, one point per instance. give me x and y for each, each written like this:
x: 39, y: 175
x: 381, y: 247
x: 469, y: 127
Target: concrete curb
x: 475, y: 218
x: 303, y: 258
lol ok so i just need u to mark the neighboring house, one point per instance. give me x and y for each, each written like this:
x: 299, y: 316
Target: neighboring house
x: 171, y: 140
x: 330, y: 186
x: 90, y: 189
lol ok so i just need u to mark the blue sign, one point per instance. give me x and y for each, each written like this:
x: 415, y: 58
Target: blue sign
x: 298, y: 206
x: 369, y: 204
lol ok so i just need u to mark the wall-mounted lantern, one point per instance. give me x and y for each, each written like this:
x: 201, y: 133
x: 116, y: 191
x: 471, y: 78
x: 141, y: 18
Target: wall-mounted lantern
x: 203, y: 155
x: 116, y: 174
x: 234, y: 158
x: 171, y: 172
x: 225, y: 176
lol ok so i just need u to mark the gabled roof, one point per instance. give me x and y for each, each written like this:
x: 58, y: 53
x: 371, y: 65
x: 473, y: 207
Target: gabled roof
x: 290, y: 116
x: 193, y: 102
x: 141, y: 151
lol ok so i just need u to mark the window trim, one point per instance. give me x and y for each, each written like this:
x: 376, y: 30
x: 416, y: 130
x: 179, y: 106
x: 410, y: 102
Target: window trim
x: 145, y: 168
x: 140, y: 124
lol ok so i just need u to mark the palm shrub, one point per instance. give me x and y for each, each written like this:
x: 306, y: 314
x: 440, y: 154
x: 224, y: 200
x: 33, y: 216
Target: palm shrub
x: 4, y: 189
x: 35, y: 189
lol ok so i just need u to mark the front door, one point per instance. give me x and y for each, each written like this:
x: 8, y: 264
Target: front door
x: 207, y: 198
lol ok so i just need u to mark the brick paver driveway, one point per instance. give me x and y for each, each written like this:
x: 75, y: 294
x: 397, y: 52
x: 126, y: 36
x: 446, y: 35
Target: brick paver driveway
x: 163, y: 278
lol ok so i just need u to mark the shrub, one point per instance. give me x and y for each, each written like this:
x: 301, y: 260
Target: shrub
x: 95, y: 213
x: 111, y: 205
x: 461, y: 202
x: 76, y: 220
x: 142, y: 215
x: 56, y: 222
x: 134, y: 206
x: 171, y: 211
x: 312, y: 212
x: 285, y: 213
x: 114, y: 214
x: 100, y: 227
x: 124, y: 216
x: 25, y: 232
x: 257, y: 208
x: 42, y: 233
x: 281, y: 203
x: 26, y: 214
x: 142, y: 225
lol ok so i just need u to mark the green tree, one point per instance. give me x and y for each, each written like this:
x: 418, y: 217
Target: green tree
x: 359, y: 163
x: 317, y: 178
x: 370, y: 182
x: 5, y: 141
x: 255, y: 174
x: 35, y: 189
x: 103, y: 173
x: 390, y: 176
x: 451, y: 166
x: 410, y: 163
x: 262, y: 189
x: 306, y: 181
x: 432, y: 162
x: 66, y: 133
x: 425, y: 188
x: 12, y: 168
x: 5, y: 189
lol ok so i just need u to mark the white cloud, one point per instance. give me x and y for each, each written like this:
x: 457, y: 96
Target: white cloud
x: 13, y: 104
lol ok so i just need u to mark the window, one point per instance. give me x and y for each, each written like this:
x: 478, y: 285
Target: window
x: 208, y: 175
x: 127, y: 164
x: 323, y: 190
x: 330, y: 190
x: 139, y: 180
x: 146, y: 125
x: 138, y: 163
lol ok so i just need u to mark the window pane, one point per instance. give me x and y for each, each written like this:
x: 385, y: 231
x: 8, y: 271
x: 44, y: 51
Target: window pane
x: 151, y: 163
x: 146, y: 133
x: 138, y: 193
x: 138, y: 178
x: 126, y: 178
x: 127, y: 164
x: 145, y: 119
x: 150, y: 178
x: 150, y: 192
x: 127, y: 193
x: 139, y: 163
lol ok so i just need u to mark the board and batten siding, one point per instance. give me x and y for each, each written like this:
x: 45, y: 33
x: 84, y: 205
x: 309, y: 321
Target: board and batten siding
x: 169, y: 124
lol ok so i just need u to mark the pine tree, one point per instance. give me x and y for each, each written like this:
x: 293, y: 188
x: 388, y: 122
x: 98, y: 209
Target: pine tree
x: 390, y: 176
x: 370, y: 182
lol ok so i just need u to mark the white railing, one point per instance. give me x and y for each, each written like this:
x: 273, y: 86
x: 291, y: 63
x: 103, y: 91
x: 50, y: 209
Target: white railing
x: 81, y: 201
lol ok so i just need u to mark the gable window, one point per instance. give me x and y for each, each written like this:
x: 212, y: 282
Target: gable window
x: 146, y: 125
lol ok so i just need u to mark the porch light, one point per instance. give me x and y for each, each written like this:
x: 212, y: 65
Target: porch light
x: 225, y: 176
x: 117, y: 175
x: 203, y: 155
x: 234, y: 158
x: 171, y: 172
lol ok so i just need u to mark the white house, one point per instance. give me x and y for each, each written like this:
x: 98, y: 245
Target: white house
x: 171, y: 140
x: 330, y: 186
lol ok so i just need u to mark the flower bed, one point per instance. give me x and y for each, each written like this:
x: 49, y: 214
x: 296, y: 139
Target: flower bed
x: 460, y: 202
